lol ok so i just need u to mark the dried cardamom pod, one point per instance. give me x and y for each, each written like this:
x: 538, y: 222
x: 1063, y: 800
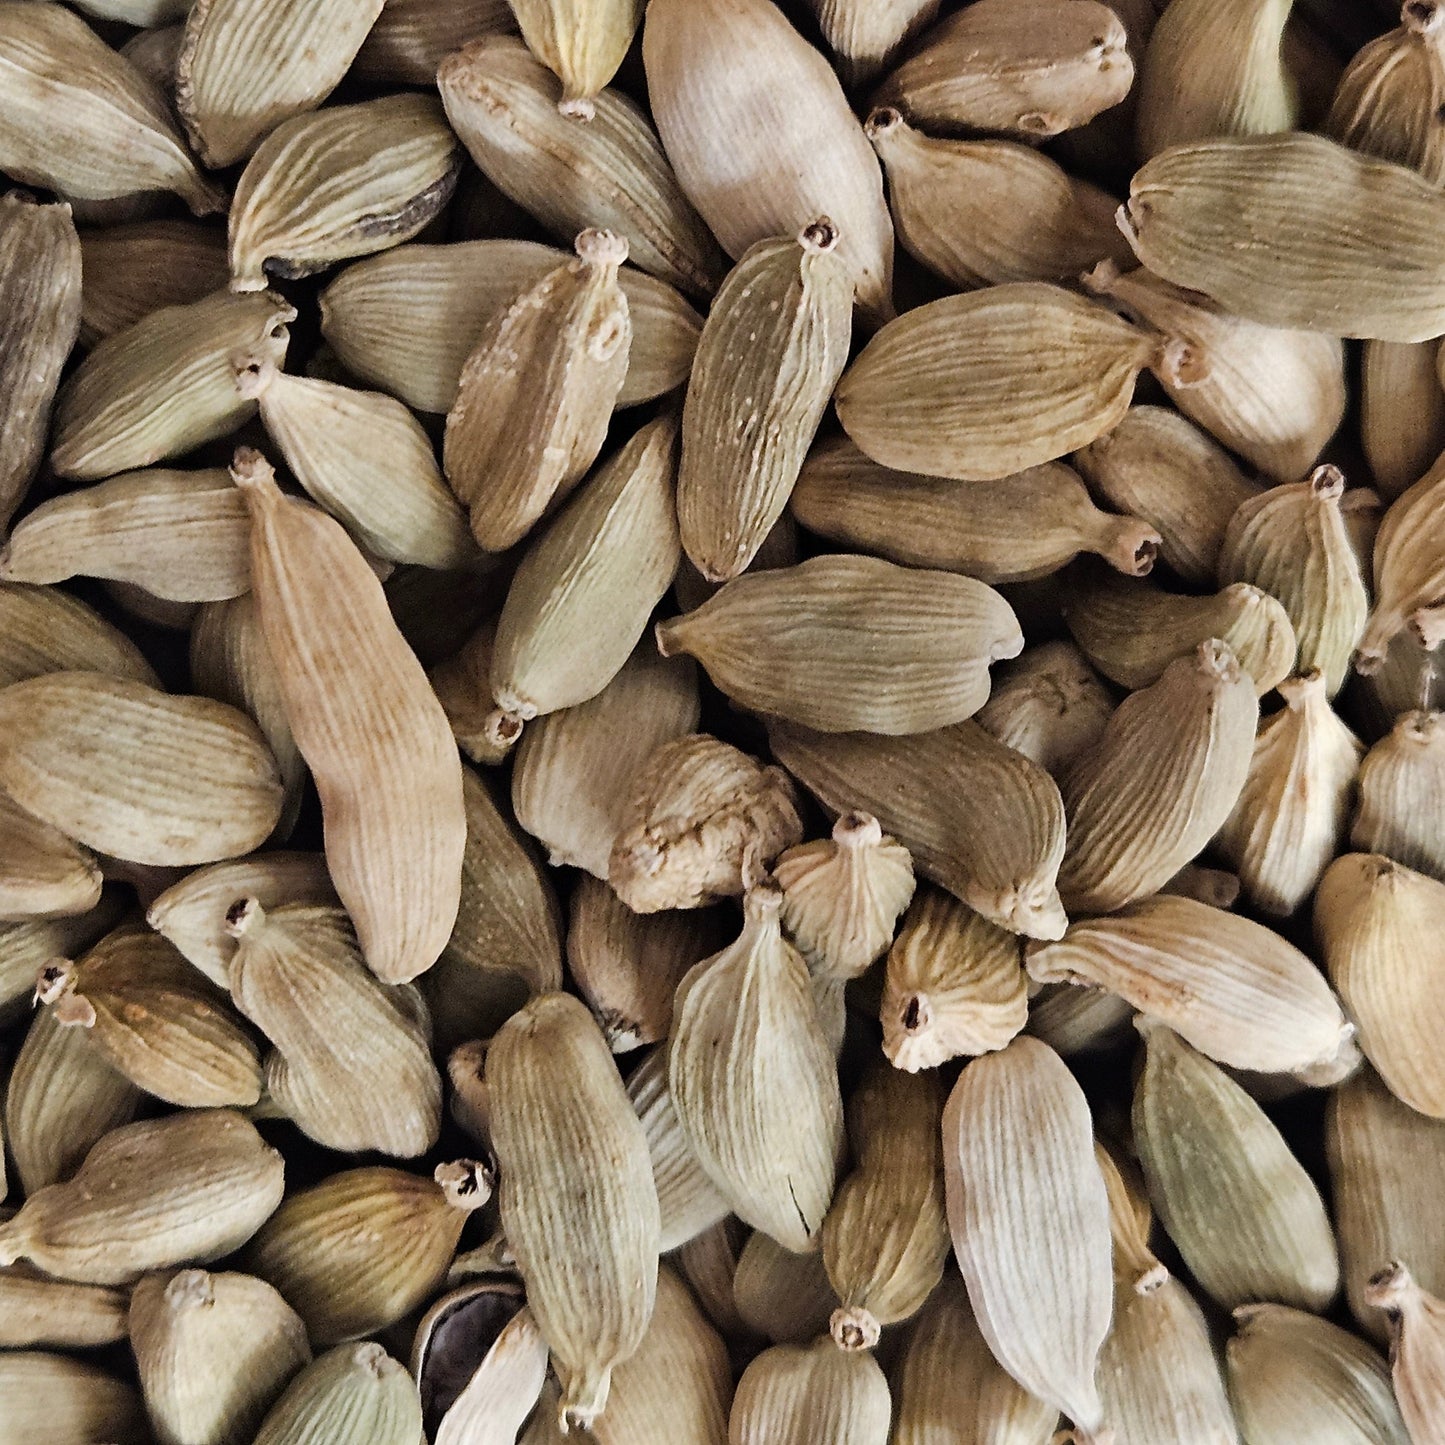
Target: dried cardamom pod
x: 165, y: 385
x: 954, y: 984
x: 1016, y: 1128
x: 188, y: 1188
x: 458, y: 1354
x: 582, y: 45
x: 1417, y: 1348
x: 496, y: 1399
x: 763, y: 150
x: 214, y: 1351
x: 1402, y: 794
x: 708, y: 1262
x: 796, y: 1394
x: 1079, y: 1020
x: 358, y: 1389
x: 42, y: 873
x: 1231, y: 988
x: 410, y: 38
x: 462, y: 683
x: 247, y: 65
x: 38, y: 1310
x: 754, y: 1081
x: 566, y: 1134
x: 782, y: 1297
x: 1291, y: 815
x: 537, y: 391
x: 1409, y: 568
x: 1402, y: 410
x: 702, y: 821
x: 978, y: 819
x: 43, y: 629
x: 982, y: 385
x: 1159, y: 467
x: 1047, y: 704
x: 64, y: 1401
x: 1166, y: 773
x: 865, y: 35
x: 368, y: 724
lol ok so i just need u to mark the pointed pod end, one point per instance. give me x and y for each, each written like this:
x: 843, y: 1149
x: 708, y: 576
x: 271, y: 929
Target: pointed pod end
x: 254, y: 372
x: 1391, y: 1289
x: 857, y: 830
x: 578, y: 107
x: 584, y: 1398
x: 820, y: 236
x: 601, y: 248
x: 256, y: 478
x: 854, y: 1329
x: 244, y: 917
x: 884, y: 121
x: 1327, y: 483
x: 467, y: 1183
x: 53, y: 980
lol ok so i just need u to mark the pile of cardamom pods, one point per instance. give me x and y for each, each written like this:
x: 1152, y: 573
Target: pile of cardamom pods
x: 722, y: 722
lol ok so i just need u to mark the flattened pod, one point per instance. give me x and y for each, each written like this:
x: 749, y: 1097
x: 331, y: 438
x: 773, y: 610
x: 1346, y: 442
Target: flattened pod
x: 40, y: 298
x: 1402, y: 795
x: 367, y: 723
x: 1417, y: 1349
x: 247, y: 65
x: 82, y: 120
x: 578, y: 1203
x: 796, y: 1394
x: 1164, y: 777
x: 1017, y: 1127
x: 1048, y: 704
x: 135, y: 773
x: 763, y: 150
x: 1409, y: 564
x: 865, y: 34
x: 1402, y: 409
x: 754, y: 1081
x: 354, y: 1392
x: 979, y: 386
x: 42, y: 873
x: 165, y: 385
x: 64, y: 1401
x: 188, y: 1188
x: 1295, y: 231
x: 772, y: 349
x: 537, y: 392
x: 347, y: 181
x: 979, y: 819
x: 43, y: 629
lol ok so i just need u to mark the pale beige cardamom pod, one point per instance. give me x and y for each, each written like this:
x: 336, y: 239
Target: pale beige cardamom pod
x: 43, y: 629
x: 359, y: 1389
x: 582, y: 44
x: 65, y: 1401
x: 43, y: 874
x: 1402, y: 410
x: 37, y: 1310
x: 799, y: 1394
x: 782, y: 1297
x: 1402, y: 795
x: 1409, y: 571
x: 462, y: 683
x: 1084, y: 1020
x: 455, y: 1339
x: 1417, y: 1350
x: 410, y: 38
x: 866, y: 34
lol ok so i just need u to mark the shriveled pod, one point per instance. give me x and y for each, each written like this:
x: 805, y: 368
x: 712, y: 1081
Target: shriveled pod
x: 66, y: 1401
x: 1402, y: 794
x: 43, y: 874
x: 1402, y: 411
x: 865, y: 36
x: 1012, y: 530
x: 1273, y: 395
x: 763, y: 151
x: 368, y: 724
x: 361, y: 1387
x: 1292, y: 813
x: 247, y: 65
x: 410, y: 38
x: 1165, y: 775
x: 980, y: 212
x: 796, y: 1394
x: 780, y: 1296
x: 1409, y: 567
x: 39, y: 1310
x: 1158, y: 466
x: 1035, y: 69
x: 983, y: 385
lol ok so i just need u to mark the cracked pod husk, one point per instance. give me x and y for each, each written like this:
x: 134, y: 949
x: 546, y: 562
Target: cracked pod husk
x: 504, y: 1385
x: 1409, y: 571
x: 1402, y: 411
x: 65, y: 1401
x: 1402, y: 795
x: 797, y: 1394
x: 578, y: 1203
x: 43, y: 874
x: 1047, y: 704
x: 1417, y: 1350
x: 780, y: 1296
x: 354, y: 1392
x: 865, y: 35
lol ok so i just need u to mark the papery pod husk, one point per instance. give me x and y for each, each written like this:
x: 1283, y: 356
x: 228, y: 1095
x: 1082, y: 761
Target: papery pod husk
x: 368, y: 724
x: 1132, y: 631
x: 754, y: 1082
x: 782, y: 1297
x: 772, y: 349
x: 799, y: 1394
x: 1035, y: 69
x: 42, y: 873
x: 978, y: 819
x: 1017, y: 1127
x: 150, y: 1017
x: 851, y: 644
x: 247, y: 65
x: 365, y: 459
x: 1161, y: 468
x: 1381, y: 933
x: 1409, y: 571
x: 1402, y: 411
x: 583, y: 594
x: 627, y: 965
x: 352, y: 1393
x: 213, y: 1351
x: 346, y: 181
x: 979, y: 386
x: 954, y: 984
x: 1293, y: 542
x: 1287, y: 231
x: 471, y: 1102
x: 496, y: 1399
x: 1273, y: 395
x: 1292, y: 813
x: 137, y: 773
x: 43, y: 629
x: 410, y: 38
x: 180, y: 535
x: 164, y: 385
x: 362, y: 1249
x: 700, y: 822
x: 981, y: 212
x: 1235, y: 1201
x: 1231, y: 988
x: 352, y: 1063
x: 1012, y: 530
x: 1293, y: 1376
x: 40, y: 295
x: 1166, y: 773
x: 865, y: 35
x: 188, y: 1188
x: 885, y: 1240
x: 1387, y: 1178
x: 37, y: 1310
x: 462, y: 683
x: 1402, y: 795
x: 1047, y: 704
x: 1074, y: 1020
x: 407, y: 320
x: 537, y: 391
x: 566, y: 1135
x: 458, y: 1335
x: 609, y: 171
x: 65, y: 1401
x: 949, y: 1390
x: 1417, y: 1350
x: 82, y: 120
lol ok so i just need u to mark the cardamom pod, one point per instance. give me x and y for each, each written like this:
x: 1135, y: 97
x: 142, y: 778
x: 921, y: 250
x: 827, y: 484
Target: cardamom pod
x: 1402, y: 410
x: 43, y: 629
x: 42, y: 873
x: 1417, y: 1348
x: 1075, y: 1021
x: 1402, y: 794
x: 1047, y: 704
x: 410, y: 38
x: 796, y: 1394
x: 864, y: 36
x: 1409, y: 568
x: 495, y: 1401
x: 65, y: 1401
x: 582, y: 45
x: 357, y: 1389
x: 709, y: 1261
x: 462, y: 683
x: 38, y: 1310
x: 782, y: 1297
